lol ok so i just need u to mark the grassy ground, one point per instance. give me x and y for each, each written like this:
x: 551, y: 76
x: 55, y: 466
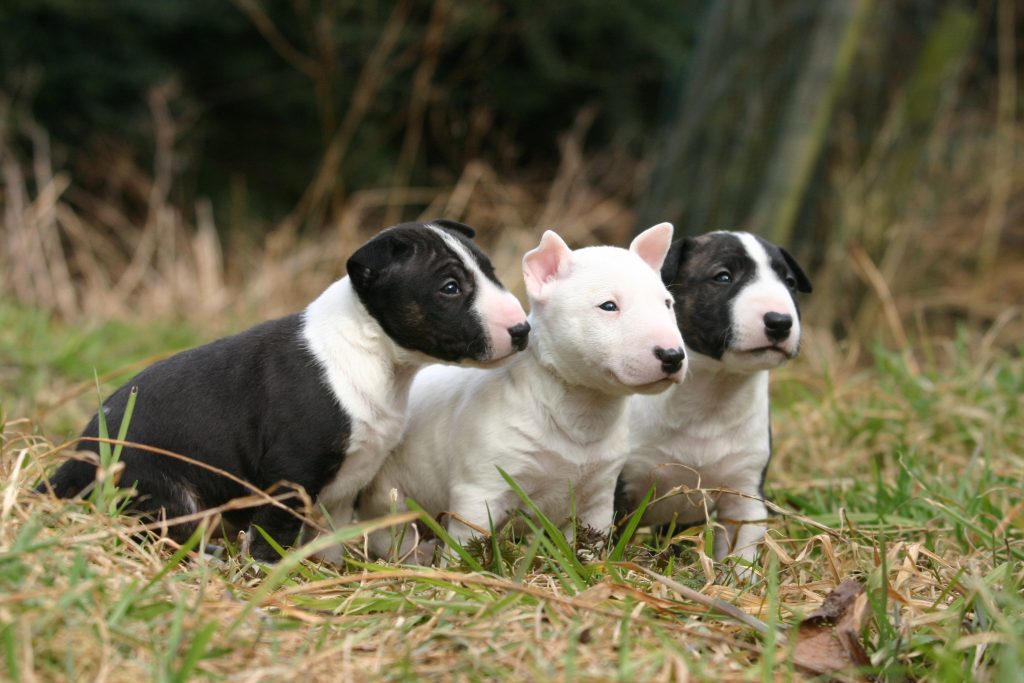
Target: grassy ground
x: 905, y: 475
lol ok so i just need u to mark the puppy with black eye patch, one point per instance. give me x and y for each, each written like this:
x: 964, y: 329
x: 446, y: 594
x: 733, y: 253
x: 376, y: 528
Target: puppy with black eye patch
x: 316, y: 399
x: 555, y: 417
x: 736, y: 306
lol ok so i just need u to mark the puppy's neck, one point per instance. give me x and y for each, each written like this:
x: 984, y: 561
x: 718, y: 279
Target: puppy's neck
x: 354, y: 349
x: 712, y: 392
x: 583, y: 413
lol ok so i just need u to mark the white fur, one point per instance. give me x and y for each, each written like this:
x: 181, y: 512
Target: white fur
x: 713, y: 432
x: 554, y: 418
x: 370, y: 376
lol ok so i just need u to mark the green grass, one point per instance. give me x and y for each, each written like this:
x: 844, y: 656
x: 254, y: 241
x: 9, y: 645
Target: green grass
x: 47, y: 366
x: 908, y: 480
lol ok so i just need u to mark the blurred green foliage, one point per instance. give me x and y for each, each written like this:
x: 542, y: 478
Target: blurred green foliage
x: 509, y: 78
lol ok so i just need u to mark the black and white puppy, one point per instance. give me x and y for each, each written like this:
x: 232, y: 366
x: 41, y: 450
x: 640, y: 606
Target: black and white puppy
x: 736, y: 305
x: 317, y: 398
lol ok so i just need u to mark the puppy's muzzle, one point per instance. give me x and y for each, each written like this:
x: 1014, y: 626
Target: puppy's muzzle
x: 520, y: 335
x: 671, y: 359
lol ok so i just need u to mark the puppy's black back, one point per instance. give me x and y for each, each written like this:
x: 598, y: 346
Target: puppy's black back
x: 253, y: 404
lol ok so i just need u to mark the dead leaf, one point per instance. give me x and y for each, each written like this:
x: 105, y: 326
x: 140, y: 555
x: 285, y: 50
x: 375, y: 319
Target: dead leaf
x: 828, y: 640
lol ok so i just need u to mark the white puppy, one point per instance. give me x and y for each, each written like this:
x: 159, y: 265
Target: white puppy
x: 602, y: 328
x: 736, y: 306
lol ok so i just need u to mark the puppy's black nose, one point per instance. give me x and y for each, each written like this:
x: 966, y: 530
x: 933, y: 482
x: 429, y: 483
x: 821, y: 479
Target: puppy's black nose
x: 671, y: 359
x: 520, y: 335
x: 777, y: 325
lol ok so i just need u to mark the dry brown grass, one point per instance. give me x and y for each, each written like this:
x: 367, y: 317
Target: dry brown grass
x: 84, y: 259
x: 82, y: 594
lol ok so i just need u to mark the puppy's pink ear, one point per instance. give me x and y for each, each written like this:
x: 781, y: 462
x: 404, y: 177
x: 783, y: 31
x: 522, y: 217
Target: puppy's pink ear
x: 652, y: 245
x: 544, y: 263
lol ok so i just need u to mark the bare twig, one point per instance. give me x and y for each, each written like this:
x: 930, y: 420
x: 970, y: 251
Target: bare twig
x: 328, y: 176
x: 265, y: 25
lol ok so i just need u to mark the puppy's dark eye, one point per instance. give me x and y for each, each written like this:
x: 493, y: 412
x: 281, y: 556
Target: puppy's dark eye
x: 451, y: 288
x: 791, y: 282
x: 608, y: 306
x: 722, y: 276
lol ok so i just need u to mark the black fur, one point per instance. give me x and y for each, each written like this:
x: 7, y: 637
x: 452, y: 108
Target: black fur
x: 253, y: 404
x: 257, y: 404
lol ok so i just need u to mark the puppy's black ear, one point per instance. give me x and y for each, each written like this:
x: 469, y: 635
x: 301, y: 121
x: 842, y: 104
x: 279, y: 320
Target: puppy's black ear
x: 674, y: 259
x: 455, y: 226
x: 803, y: 283
x: 370, y: 260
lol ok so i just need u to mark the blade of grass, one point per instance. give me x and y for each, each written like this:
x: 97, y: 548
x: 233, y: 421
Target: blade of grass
x: 499, y: 562
x: 195, y: 652
x: 716, y: 604
x: 529, y: 557
x: 770, y: 635
x: 176, y: 558
x: 619, y: 551
x: 279, y: 549
x: 283, y: 569
x: 122, y: 432
x: 173, y: 639
x: 559, y: 561
x: 10, y: 645
x: 101, y: 420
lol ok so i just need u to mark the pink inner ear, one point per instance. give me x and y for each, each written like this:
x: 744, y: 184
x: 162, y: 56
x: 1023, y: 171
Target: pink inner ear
x: 652, y: 245
x: 541, y: 265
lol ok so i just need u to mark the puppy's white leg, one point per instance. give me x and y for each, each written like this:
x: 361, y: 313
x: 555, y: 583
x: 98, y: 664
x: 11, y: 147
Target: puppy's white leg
x: 392, y: 542
x: 600, y: 510
x: 599, y: 514
x: 735, y: 535
x: 340, y: 513
x: 475, y: 507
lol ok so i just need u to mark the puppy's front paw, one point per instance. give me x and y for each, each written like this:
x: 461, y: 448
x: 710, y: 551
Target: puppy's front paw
x: 423, y: 553
x: 255, y: 546
x: 744, y: 570
x: 334, y: 555
x: 590, y: 544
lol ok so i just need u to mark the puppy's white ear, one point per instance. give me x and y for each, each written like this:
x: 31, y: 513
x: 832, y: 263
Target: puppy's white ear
x: 544, y: 263
x: 652, y: 245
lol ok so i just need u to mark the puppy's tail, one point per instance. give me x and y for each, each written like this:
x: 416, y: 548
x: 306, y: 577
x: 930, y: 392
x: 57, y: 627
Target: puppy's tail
x: 70, y: 479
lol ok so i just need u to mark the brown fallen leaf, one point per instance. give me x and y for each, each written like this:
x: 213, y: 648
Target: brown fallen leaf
x: 828, y: 640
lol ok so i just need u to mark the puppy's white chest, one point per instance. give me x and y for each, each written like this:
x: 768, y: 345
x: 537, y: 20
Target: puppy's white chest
x: 375, y: 432
x: 577, y: 465
x: 369, y: 386
x: 561, y: 482
x: 692, y: 453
